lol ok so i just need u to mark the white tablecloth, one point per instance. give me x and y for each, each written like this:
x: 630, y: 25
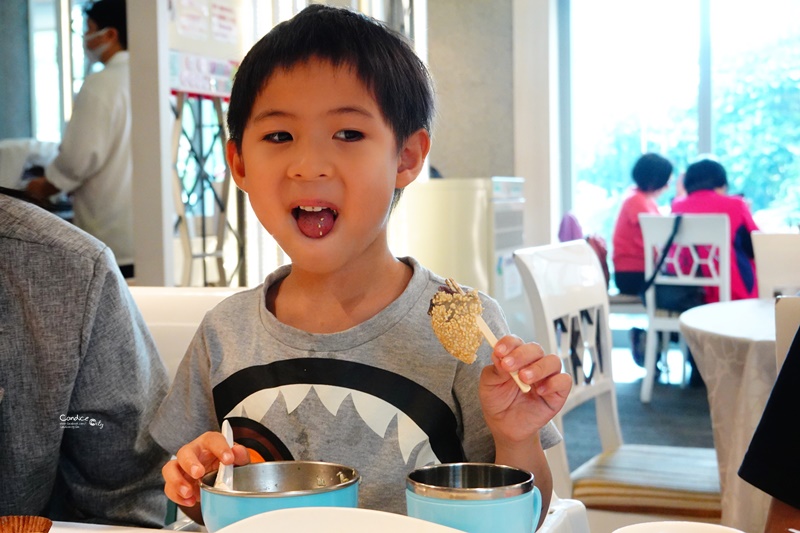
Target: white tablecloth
x: 733, y: 344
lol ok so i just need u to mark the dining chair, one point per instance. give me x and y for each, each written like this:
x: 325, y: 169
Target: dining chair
x: 700, y: 256
x: 787, y: 322
x: 777, y: 257
x: 625, y: 483
x: 173, y: 314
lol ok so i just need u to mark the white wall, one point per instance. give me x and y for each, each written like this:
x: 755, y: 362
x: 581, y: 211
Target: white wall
x: 470, y: 58
x: 495, y: 65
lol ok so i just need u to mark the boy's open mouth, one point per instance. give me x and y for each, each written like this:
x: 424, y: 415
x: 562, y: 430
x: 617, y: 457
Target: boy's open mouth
x: 314, y: 221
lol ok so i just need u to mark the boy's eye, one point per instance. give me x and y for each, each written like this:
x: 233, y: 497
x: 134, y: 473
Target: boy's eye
x: 278, y: 137
x: 348, y: 135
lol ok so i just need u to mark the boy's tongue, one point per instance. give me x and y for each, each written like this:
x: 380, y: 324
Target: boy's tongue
x: 315, y: 224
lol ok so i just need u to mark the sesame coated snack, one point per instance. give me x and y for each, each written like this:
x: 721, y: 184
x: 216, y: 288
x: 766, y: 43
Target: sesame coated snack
x: 457, y: 322
x: 453, y: 317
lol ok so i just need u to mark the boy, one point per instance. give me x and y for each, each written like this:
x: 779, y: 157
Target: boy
x: 334, y: 357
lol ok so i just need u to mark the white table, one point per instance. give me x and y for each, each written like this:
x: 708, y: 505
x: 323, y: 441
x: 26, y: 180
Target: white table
x: 80, y: 527
x: 733, y: 344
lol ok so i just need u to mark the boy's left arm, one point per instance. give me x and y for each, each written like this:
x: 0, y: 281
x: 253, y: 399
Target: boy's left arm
x: 514, y: 417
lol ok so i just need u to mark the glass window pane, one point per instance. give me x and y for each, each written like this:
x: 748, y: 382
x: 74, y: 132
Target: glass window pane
x: 634, y: 89
x: 756, y: 102
x: 46, y: 85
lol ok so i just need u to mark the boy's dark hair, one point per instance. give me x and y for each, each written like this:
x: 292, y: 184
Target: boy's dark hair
x: 382, y: 60
x: 704, y: 175
x: 110, y: 14
x: 651, y: 172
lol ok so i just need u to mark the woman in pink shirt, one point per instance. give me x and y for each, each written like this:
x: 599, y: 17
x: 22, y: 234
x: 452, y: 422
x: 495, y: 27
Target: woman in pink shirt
x: 651, y: 174
x: 706, y: 185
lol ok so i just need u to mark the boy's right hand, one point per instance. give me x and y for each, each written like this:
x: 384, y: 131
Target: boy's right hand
x: 194, y: 460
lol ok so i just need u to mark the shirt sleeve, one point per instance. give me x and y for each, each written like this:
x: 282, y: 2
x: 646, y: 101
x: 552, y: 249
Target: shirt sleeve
x: 112, y: 467
x: 85, y: 145
x: 188, y: 410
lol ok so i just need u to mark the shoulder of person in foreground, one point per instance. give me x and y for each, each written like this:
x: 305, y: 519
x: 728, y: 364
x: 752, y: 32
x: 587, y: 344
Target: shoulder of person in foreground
x: 122, y: 462
x: 115, y: 376
x: 769, y: 463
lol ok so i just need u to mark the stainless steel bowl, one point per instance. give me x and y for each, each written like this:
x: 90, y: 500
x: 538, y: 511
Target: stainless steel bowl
x: 469, y: 481
x: 262, y: 487
x: 285, y: 478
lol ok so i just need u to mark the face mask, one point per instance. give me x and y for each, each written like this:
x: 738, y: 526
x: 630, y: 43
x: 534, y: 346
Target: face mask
x: 94, y: 54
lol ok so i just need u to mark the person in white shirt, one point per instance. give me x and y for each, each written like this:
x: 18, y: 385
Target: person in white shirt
x: 95, y: 164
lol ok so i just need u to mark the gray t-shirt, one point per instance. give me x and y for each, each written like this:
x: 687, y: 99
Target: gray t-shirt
x: 383, y: 397
x: 80, y: 379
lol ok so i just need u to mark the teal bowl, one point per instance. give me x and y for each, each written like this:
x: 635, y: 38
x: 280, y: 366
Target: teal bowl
x: 262, y: 487
x: 475, y: 497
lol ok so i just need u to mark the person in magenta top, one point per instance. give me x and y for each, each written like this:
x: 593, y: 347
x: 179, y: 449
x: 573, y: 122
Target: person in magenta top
x: 651, y: 174
x: 706, y: 185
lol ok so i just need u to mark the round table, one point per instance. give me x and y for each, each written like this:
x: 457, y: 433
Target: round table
x: 733, y: 345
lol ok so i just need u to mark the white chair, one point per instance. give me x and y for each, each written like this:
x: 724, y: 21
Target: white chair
x: 624, y: 484
x: 777, y: 257
x: 787, y: 321
x: 172, y: 315
x: 701, y: 256
x: 565, y: 516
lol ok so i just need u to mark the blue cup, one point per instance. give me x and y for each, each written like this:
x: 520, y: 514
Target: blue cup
x: 475, y: 497
x: 262, y: 487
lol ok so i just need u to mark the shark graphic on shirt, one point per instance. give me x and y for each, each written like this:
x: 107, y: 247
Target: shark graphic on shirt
x: 391, y: 406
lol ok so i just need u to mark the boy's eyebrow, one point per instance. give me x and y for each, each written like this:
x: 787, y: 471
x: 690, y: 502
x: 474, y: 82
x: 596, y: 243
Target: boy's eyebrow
x: 344, y: 110
x: 350, y: 109
x: 269, y: 113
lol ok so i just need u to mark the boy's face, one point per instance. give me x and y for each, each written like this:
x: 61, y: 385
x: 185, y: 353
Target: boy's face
x: 320, y: 165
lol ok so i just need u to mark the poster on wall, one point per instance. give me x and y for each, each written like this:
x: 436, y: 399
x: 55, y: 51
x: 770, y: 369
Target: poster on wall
x: 205, y: 42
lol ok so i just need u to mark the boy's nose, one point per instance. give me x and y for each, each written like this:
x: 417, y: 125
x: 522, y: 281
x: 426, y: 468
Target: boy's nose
x: 310, y: 163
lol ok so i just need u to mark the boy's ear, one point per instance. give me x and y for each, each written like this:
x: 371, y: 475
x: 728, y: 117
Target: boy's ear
x: 412, y: 157
x: 236, y: 164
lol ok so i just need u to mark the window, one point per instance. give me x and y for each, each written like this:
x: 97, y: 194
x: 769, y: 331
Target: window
x: 641, y: 72
x: 57, y: 47
x: 755, y: 96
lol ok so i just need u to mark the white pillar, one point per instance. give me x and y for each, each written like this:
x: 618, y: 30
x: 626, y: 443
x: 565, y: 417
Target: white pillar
x: 152, y: 159
x: 536, y: 115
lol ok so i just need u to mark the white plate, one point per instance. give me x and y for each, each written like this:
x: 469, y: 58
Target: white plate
x: 676, y: 527
x: 333, y: 520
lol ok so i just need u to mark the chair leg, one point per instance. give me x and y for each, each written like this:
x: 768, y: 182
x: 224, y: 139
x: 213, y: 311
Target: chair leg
x: 662, y: 350
x: 650, y: 366
x: 685, y: 354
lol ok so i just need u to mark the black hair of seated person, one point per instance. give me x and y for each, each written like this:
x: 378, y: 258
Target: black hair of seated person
x: 651, y: 172
x: 704, y: 175
x: 110, y: 14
